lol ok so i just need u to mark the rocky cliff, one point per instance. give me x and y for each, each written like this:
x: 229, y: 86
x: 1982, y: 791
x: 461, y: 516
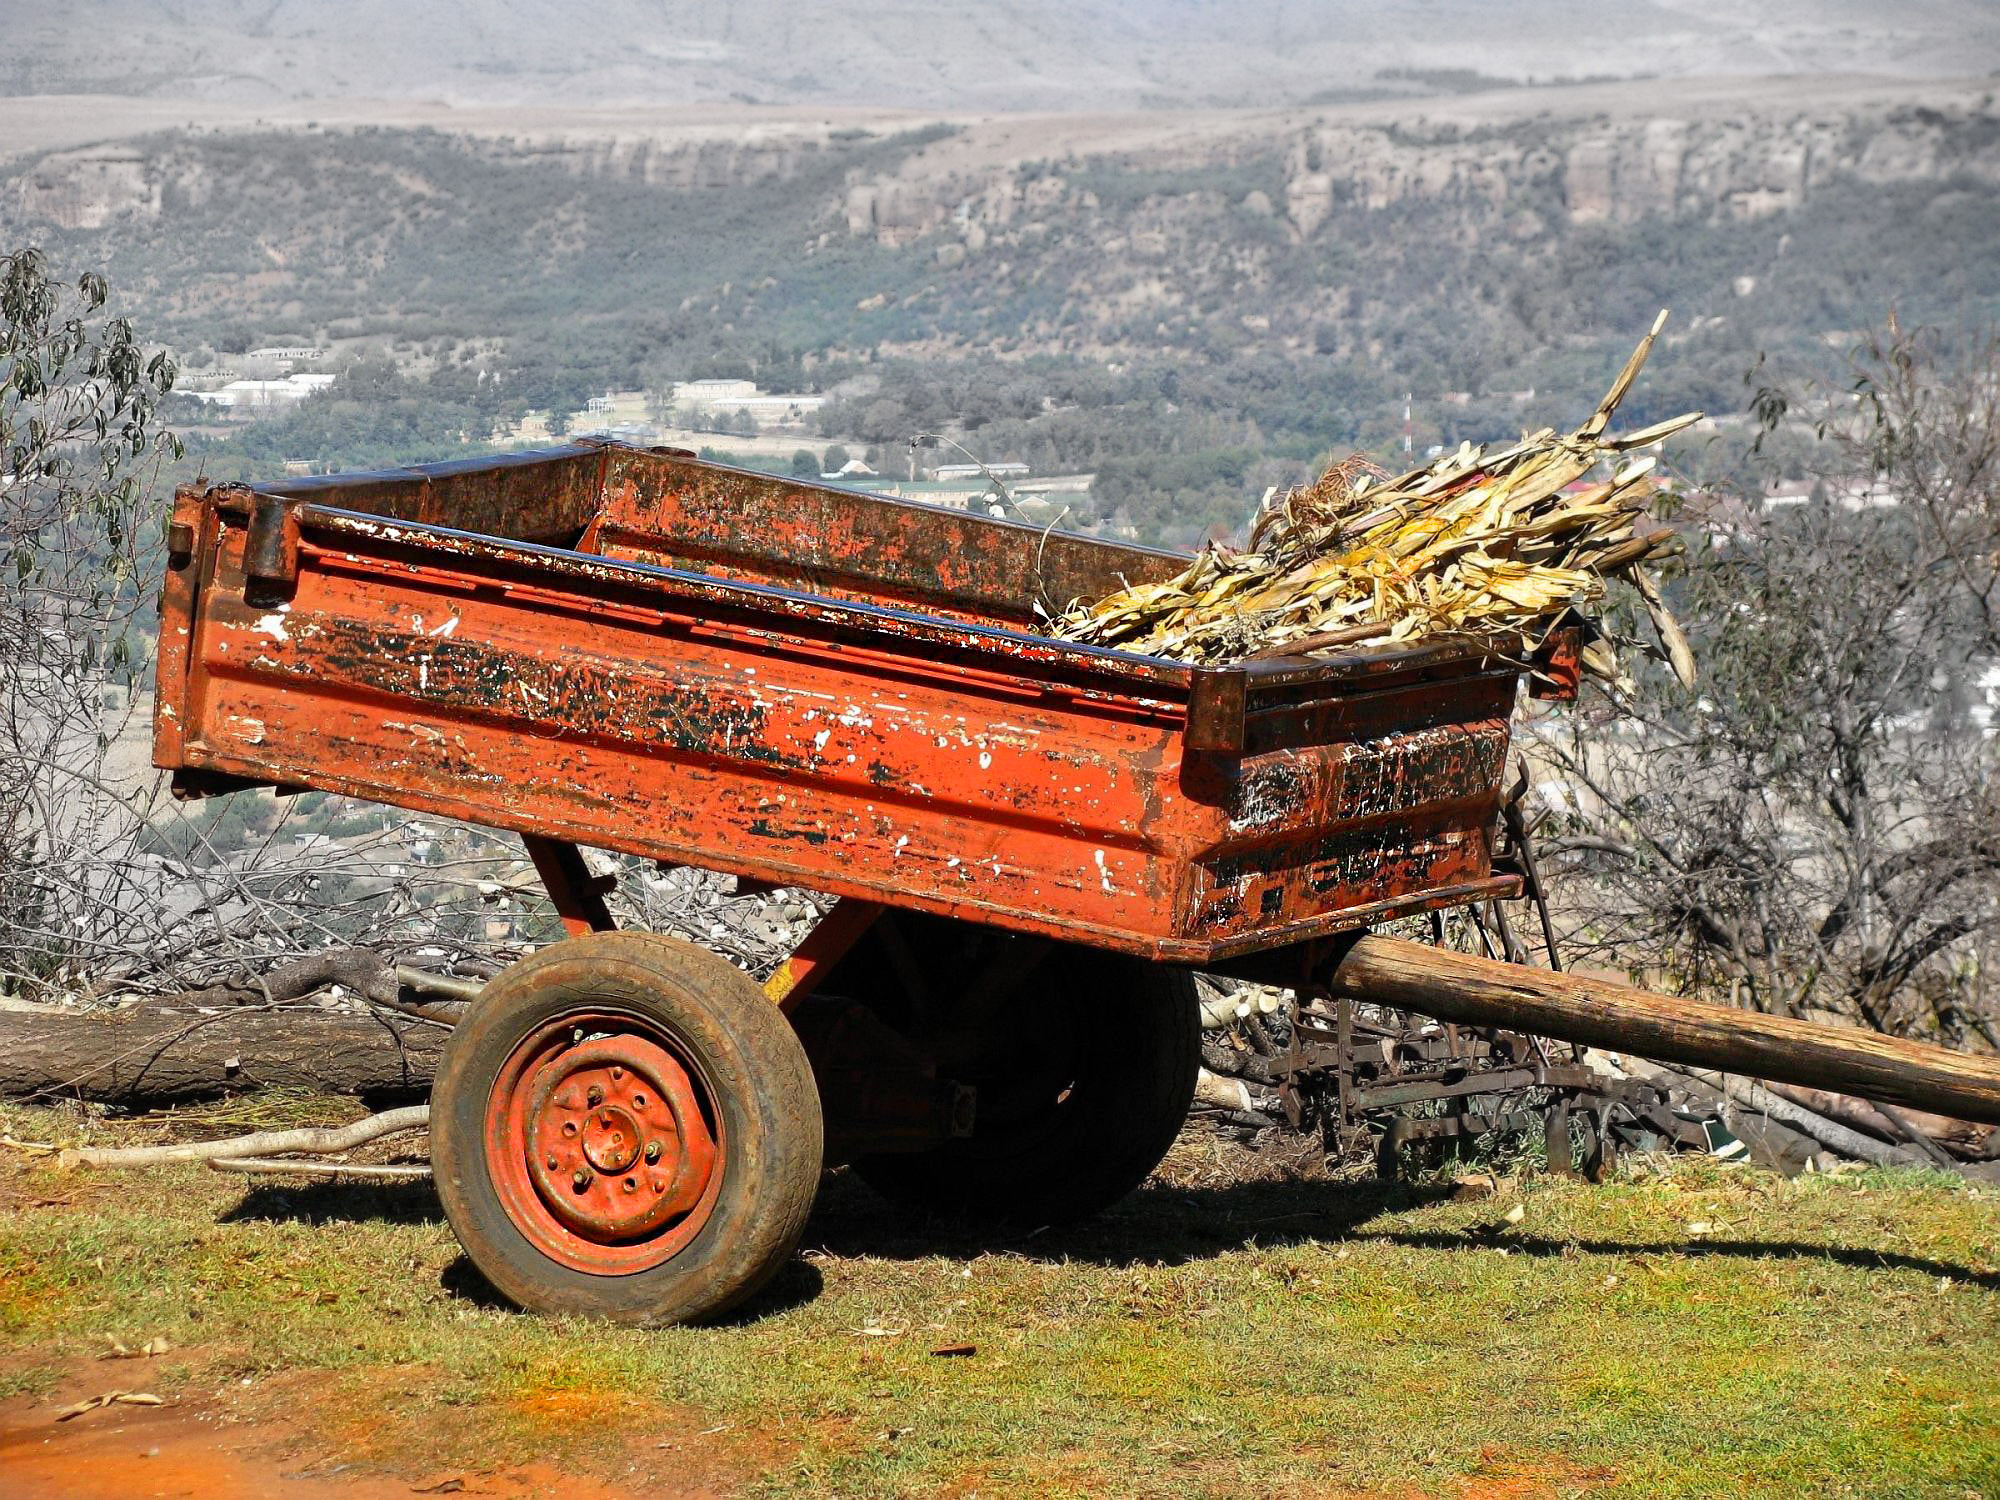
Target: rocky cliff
x: 1586, y: 167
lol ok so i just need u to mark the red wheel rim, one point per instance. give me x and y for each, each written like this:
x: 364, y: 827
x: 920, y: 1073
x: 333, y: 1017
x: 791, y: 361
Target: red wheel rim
x: 603, y: 1143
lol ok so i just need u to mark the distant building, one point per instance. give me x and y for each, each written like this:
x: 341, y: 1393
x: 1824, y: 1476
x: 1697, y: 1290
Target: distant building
x: 282, y: 354
x: 696, y: 397
x: 713, y: 392
x: 1985, y: 706
x: 948, y: 472
x: 257, y: 394
x: 780, y: 411
x: 1057, y: 484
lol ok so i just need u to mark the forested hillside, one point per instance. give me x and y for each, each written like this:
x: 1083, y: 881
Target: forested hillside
x: 1192, y: 317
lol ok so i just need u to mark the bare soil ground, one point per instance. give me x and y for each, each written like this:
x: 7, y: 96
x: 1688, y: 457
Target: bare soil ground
x: 195, y: 1449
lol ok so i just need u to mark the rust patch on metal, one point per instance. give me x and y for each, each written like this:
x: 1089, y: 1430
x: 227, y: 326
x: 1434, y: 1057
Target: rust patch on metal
x: 853, y: 709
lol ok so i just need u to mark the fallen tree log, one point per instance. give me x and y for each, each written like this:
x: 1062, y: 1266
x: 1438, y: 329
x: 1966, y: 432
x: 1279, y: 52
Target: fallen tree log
x: 1960, y: 1136
x: 150, y: 1056
x: 1833, y: 1135
x: 1604, y: 1013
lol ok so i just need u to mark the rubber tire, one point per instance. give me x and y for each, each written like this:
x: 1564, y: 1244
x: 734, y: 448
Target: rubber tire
x: 755, y: 1073
x: 1140, y: 1051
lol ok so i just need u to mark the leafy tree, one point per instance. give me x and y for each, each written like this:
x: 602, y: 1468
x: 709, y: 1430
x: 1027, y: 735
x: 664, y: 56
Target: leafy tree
x: 804, y: 465
x: 80, y: 449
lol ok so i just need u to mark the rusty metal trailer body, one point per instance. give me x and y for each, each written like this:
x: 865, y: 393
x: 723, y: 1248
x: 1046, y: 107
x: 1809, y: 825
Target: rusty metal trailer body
x: 799, y: 684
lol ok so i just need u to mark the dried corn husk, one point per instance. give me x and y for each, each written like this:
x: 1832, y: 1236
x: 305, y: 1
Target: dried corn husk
x: 1488, y: 545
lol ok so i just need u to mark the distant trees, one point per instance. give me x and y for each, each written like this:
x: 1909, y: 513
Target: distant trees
x: 373, y: 413
x: 805, y: 465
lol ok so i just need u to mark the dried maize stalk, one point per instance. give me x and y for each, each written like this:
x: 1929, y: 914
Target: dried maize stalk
x: 1495, y: 546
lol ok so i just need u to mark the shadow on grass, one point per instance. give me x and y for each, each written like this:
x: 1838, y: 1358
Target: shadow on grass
x: 1161, y: 1225
x: 339, y: 1203
x: 1158, y: 1225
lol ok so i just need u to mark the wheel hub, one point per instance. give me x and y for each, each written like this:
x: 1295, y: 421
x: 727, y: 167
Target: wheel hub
x: 614, y: 1141
x: 611, y: 1140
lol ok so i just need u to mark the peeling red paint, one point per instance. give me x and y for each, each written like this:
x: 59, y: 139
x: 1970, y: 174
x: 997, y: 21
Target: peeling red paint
x: 806, y: 685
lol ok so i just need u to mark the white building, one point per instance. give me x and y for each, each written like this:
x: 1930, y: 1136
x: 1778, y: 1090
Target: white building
x: 1985, y: 705
x: 697, y: 397
x: 854, y: 468
x: 704, y: 393
x: 260, y: 394
x: 948, y: 472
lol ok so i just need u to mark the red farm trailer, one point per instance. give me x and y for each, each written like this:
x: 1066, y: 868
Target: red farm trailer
x: 1034, y: 843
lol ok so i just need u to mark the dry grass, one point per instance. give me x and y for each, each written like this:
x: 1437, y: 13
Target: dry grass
x: 1230, y: 1330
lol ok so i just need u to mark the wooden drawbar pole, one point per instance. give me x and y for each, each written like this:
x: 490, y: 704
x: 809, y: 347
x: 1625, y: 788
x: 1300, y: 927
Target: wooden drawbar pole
x: 1603, y: 1013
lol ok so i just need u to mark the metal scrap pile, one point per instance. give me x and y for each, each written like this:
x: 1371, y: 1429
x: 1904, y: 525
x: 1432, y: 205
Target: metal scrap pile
x: 1493, y: 546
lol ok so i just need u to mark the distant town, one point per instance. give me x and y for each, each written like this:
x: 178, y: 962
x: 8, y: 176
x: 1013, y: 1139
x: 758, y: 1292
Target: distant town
x: 730, y: 420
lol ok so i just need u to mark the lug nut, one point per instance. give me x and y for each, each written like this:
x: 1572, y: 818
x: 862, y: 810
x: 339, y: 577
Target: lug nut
x: 616, y: 1074
x: 595, y: 1097
x: 652, y: 1151
x: 659, y: 1184
x: 580, y: 1179
x: 552, y: 1161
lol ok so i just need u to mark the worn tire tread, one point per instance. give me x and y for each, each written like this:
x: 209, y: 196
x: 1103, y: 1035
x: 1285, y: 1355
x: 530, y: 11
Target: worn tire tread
x: 756, y: 1072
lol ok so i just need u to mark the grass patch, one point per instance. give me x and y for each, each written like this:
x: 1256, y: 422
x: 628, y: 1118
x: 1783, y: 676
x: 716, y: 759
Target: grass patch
x: 1685, y: 1330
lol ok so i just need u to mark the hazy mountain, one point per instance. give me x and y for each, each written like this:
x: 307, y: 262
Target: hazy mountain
x: 1000, y: 54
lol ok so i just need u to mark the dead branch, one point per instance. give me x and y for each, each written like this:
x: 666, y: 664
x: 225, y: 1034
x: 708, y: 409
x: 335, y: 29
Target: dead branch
x: 356, y: 969
x: 261, y: 1166
x: 442, y: 986
x: 315, y: 1139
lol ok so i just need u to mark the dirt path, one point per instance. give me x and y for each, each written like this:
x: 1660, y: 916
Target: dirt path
x: 187, y: 1451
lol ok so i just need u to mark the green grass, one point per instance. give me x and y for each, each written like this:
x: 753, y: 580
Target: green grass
x: 1216, y: 1335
